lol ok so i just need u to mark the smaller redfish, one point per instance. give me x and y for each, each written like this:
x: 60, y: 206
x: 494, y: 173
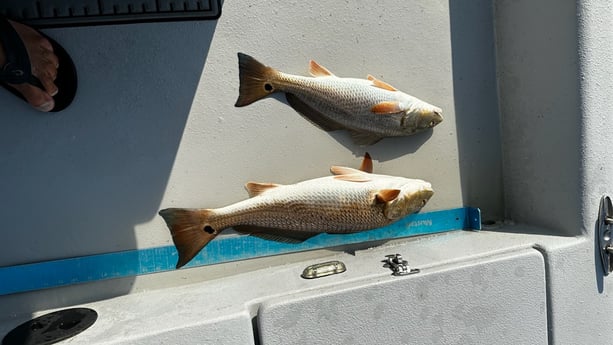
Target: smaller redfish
x: 369, y: 109
x: 350, y: 201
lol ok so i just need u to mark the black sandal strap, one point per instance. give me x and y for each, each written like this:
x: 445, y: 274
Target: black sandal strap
x: 17, y: 69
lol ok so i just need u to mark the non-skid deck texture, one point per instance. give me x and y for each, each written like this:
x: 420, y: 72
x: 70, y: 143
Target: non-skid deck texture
x: 55, y: 13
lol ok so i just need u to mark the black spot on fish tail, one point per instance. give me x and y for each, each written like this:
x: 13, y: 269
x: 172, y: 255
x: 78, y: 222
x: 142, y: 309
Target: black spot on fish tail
x: 186, y: 227
x: 256, y: 80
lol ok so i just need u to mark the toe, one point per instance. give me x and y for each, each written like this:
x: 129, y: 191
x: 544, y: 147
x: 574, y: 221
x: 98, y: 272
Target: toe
x: 49, y: 86
x: 44, y: 43
x: 38, y: 98
x: 48, y: 57
x: 47, y: 75
x: 46, y: 71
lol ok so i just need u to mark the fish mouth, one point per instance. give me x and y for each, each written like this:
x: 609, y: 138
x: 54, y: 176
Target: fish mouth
x: 422, y: 196
x: 411, y: 202
x: 430, y: 118
x: 436, y: 117
x: 425, y: 195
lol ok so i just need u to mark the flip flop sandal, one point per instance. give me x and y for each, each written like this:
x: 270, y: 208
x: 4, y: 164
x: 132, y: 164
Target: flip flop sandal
x: 17, y: 69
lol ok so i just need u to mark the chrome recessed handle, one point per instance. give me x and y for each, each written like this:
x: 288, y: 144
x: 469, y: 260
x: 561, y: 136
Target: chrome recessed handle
x: 323, y: 269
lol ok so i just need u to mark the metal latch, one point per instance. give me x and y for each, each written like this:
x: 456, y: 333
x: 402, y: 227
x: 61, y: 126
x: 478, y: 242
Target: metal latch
x: 398, y: 266
x: 605, y: 241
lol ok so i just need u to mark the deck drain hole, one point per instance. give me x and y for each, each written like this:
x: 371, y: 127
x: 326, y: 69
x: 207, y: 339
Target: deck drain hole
x: 51, y: 328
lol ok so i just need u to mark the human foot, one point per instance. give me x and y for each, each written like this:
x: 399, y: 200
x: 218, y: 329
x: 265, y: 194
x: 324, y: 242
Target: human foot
x: 49, y: 83
x: 44, y: 66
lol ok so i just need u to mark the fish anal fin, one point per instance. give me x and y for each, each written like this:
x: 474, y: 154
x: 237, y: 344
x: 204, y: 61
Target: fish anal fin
x: 355, y: 177
x: 314, y: 116
x: 385, y: 195
x: 364, y: 138
x: 384, y: 108
x: 366, y: 165
x: 381, y: 84
x: 190, y: 230
x: 317, y: 70
x: 257, y: 188
x: 277, y: 235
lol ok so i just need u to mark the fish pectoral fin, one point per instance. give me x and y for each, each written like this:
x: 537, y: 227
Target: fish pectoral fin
x: 354, y: 177
x: 314, y: 116
x: 386, y: 108
x: 317, y: 70
x: 381, y: 84
x: 257, y: 188
x: 385, y: 195
x: 364, y: 138
x: 366, y: 165
x: 277, y: 235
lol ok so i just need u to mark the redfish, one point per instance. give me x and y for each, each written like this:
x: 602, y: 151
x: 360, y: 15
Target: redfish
x: 369, y: 109
x: 350, y: 201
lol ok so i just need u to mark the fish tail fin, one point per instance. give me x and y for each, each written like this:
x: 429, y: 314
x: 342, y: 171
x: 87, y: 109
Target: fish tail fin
x: 191, y: 231
x: 256, y: 80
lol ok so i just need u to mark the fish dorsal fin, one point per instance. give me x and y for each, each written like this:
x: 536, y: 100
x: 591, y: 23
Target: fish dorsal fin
x: 385, y: 195
x: 277, y: 235
x: 338, y: 170
x: 381, y: 84
x: 314, y: 116
x: 355, y: 177
x: 317, y: 70
x: 366, y: 165
x: 364, y: 138
x: 385, y: 108
x: 257, y: 188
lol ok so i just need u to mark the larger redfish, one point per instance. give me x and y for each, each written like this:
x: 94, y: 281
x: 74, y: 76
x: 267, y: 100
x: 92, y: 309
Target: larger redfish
x: 369, y: 109
x: 351, y: 201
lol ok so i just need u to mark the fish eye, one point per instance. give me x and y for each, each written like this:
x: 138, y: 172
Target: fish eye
x: 268, y: 87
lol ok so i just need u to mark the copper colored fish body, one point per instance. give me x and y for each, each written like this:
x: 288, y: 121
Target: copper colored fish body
x: 369, y: 109
x: 350, y: 201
